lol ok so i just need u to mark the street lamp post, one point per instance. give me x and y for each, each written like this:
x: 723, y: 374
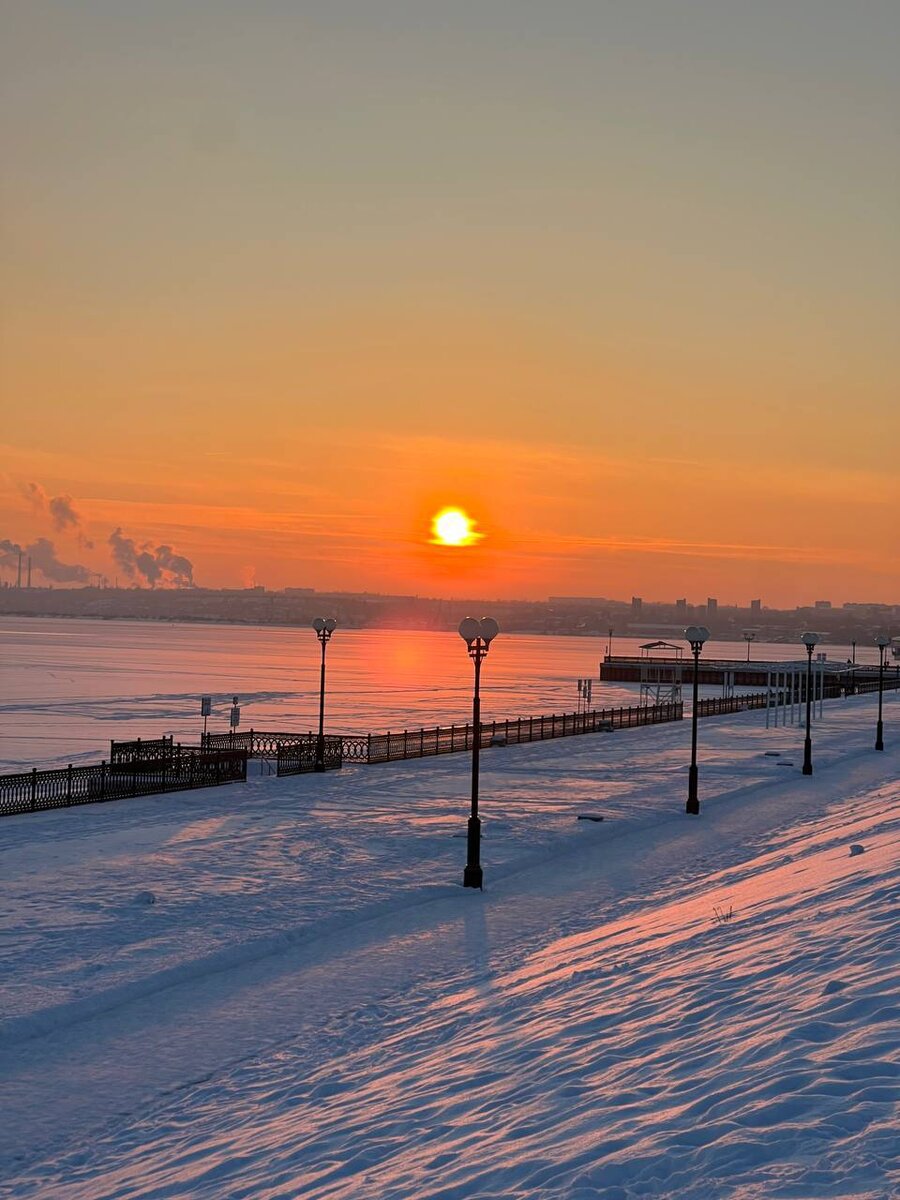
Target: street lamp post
x: 882, y: 643
x: 696, y: 635
x: 478, y: 636
x: 810, y: 641
x: 324, y: 629
x: 749, y: 636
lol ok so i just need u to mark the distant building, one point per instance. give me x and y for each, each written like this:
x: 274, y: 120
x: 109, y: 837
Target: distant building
x: 756, y: 605
x: 823, y: 604
x: 681, y: 608
x: 712, y: 605
x: 637, y: 605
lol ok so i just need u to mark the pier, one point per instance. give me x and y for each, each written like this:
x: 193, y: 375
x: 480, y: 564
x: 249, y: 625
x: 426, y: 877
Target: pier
x: 840, y: 677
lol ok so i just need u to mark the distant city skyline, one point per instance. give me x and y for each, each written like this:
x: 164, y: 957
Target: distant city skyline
x: 634, y: 607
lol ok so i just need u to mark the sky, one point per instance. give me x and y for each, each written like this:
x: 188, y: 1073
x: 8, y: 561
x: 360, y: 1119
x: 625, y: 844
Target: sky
x: 283, y: 279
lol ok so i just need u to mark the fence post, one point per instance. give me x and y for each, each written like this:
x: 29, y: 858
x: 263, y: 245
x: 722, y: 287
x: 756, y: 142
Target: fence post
x: 33, y: 788
x: 69, y: 784
x: 103, y: 780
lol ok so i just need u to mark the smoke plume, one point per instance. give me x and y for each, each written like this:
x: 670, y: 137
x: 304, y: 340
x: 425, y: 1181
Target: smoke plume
x: 43, y: 558
x: 148, y: 564
x: 62, y: 511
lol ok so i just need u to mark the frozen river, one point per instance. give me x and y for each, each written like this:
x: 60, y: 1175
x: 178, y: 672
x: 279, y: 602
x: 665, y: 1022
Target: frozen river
x: 69, y: 686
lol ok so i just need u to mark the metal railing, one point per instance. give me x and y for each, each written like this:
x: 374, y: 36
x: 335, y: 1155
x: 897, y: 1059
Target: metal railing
x: 258, y: 744
x: 862, y: 687
x: 141, y: 750
x: 34, y: 790
x: 296, y: 758
x: 719, y: 705
x: 448, y: 739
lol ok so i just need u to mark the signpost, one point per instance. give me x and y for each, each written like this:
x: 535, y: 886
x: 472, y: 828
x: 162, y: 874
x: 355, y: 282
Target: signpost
x: 205, y: 710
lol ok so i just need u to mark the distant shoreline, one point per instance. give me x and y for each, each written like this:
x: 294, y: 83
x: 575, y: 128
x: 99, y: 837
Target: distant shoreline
x: 245, y: 624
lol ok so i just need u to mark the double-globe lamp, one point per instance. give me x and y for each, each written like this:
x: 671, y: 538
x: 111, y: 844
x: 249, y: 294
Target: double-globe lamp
x: 324, y: 629
x: 696, y: 635
x: 810, y: 641
x: 478, y: 636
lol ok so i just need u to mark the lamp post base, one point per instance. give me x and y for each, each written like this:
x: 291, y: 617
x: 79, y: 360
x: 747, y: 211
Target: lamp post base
x: 879, y: 736
x: 473, y: 876
x: 692, y: 808
x: 807, y: 757
x: 319, y: 766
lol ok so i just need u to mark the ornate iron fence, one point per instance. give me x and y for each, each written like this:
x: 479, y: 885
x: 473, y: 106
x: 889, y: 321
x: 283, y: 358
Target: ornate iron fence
x: 861, y: 687
x: 718, y: 705
x: 448, y: 739
x: 296, y: 758
x: 141, y: 750
x: 258, y: 744
x: 442, y: 739
x: 34, y: 790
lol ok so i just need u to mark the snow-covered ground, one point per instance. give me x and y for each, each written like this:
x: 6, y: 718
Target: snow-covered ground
x: 313, y: 1006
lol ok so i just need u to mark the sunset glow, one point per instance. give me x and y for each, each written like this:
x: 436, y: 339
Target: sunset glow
x: 648, y: 371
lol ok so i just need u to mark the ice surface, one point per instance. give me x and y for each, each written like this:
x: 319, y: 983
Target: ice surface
x: 70, y: 686
x: 313, y: 1006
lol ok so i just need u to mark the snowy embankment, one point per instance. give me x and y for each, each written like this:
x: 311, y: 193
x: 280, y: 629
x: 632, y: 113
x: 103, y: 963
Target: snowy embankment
x: 314, y: 1007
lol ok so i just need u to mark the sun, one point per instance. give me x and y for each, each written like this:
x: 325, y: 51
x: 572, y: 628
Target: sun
x: 453, y: 527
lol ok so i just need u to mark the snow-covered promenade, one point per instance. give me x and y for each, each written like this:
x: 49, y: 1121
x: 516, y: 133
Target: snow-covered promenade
x: 313, y: 1006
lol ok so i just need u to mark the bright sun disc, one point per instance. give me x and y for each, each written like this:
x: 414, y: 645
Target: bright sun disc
x: 452, y: 527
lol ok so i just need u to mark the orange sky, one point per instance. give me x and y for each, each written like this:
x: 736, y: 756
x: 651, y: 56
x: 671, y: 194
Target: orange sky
x: 280, y: 284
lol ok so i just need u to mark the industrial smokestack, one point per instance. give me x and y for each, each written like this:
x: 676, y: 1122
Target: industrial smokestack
x: 29, y: 573
x: 19, y: 572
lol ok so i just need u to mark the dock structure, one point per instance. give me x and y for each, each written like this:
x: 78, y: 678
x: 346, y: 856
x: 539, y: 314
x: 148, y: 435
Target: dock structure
x: 840, y: 677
